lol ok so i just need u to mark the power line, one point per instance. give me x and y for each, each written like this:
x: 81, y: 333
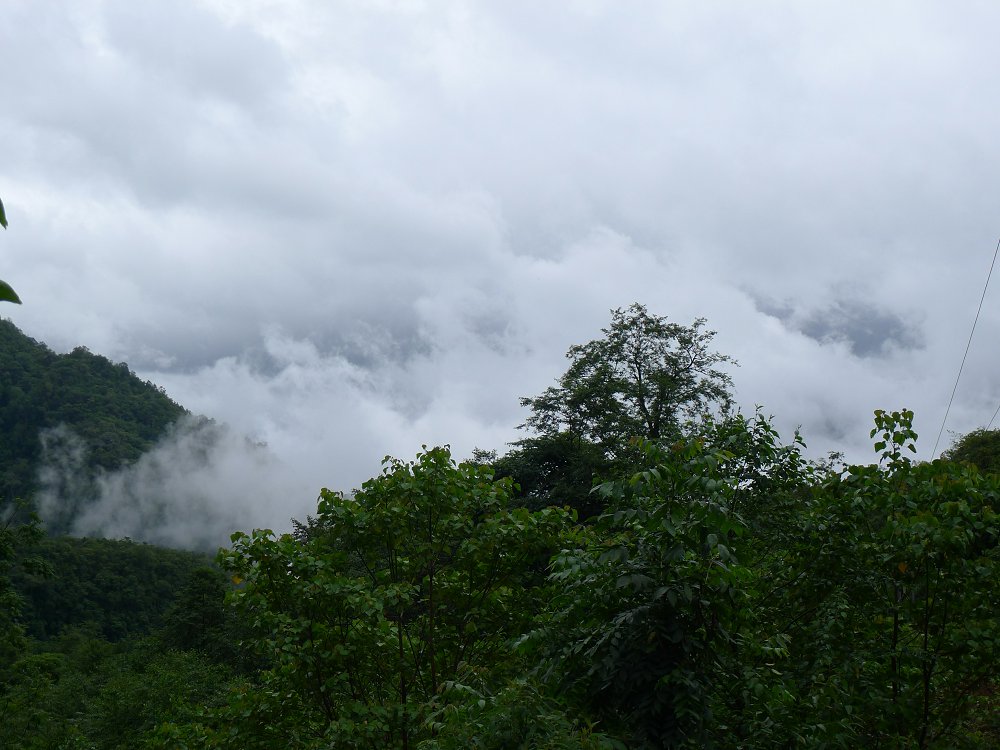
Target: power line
x: 964, y: 356
x: 993, y: 417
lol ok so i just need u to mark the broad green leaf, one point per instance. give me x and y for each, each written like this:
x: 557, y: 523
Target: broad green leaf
x: 7, y: 294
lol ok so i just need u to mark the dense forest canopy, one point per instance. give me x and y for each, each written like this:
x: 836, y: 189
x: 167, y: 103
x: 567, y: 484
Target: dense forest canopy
x: 120, y: 587
x: 649, y: 569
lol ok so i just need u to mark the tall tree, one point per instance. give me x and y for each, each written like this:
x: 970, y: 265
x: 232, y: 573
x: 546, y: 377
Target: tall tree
x: 644, y: 378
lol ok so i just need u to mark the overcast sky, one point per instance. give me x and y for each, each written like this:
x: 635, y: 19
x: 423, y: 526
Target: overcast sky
x: 349, y: 228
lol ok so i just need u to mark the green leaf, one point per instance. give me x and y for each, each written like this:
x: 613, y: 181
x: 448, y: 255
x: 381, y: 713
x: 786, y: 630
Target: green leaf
x: 3, y: 216
x: 6, y: 293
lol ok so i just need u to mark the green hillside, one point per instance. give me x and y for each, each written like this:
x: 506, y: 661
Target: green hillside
x: 117, y: 415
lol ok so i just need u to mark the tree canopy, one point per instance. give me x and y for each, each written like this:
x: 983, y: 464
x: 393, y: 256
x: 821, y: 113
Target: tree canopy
x: 421, y: 578
x: 981, y: 448
x: 120, y: 587
x: 732, y: 595
x: 644, y: 378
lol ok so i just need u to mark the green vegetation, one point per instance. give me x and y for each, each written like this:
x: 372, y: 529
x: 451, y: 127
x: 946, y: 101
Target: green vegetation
x: 645, y: 377
x: 116, y: 415
x: 120, y: 588
x: 82, y: 692
x: 725, y: 592
x: 554, y: 470
x: 981, y: 448
x: 7, y: 294
x: 80, y: 689
x: 15, y: 537
x: 425, y: 574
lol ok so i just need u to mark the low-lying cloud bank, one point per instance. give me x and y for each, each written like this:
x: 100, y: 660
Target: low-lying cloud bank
x: 201, y: 482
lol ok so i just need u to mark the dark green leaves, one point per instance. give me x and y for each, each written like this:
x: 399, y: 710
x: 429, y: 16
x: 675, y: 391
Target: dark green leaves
x: 425, y: 574
x: 981, y: 448
x: 646, y: 610
x: 7, y: 294
x: 644, y: 378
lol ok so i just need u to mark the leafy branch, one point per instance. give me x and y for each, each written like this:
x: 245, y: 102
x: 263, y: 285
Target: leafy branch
x: 7, y: 294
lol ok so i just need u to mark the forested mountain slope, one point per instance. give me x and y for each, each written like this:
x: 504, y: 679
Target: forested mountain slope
x: 117, y: 415
x: 119, y: 587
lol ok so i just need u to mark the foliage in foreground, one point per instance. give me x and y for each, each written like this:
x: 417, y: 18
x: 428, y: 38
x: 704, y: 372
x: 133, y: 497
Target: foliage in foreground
x: 400, y: 590
x: 732, y: 596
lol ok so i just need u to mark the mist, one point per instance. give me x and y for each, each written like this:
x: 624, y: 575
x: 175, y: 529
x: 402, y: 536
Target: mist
x: 200, y: 483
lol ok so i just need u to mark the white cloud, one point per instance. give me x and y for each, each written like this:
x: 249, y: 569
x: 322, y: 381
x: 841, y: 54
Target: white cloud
x: 354, y: 228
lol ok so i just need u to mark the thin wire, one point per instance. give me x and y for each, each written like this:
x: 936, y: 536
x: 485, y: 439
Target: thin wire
x: 993, y: 417
x: 962, y: 366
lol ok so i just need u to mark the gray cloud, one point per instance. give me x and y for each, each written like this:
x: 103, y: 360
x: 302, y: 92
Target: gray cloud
x: 866, y: 330
x: 350, y: 230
